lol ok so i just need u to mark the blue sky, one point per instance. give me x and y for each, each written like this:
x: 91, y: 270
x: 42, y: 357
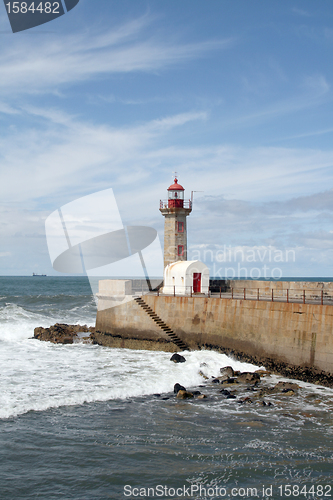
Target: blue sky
x: 236, y: 96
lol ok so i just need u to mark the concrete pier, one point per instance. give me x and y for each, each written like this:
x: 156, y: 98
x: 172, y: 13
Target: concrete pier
x: 296, y: 334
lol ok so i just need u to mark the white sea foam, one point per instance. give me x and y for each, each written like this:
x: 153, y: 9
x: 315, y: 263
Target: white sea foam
x: 39, y: 375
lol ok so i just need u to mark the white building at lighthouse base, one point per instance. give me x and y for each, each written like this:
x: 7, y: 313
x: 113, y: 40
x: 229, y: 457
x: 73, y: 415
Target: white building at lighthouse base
x: 186, y: 278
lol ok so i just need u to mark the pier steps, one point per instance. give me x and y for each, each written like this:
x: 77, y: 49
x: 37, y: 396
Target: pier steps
x: 166, y: 329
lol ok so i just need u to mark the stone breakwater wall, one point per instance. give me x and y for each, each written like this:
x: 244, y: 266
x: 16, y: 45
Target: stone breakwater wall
x: 294, y: 339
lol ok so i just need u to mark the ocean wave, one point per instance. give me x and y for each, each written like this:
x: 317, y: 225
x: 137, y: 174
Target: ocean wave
x: 40, y: 375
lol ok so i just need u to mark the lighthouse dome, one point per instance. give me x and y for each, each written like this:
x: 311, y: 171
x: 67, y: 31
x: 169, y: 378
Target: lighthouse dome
x: 176, y: 186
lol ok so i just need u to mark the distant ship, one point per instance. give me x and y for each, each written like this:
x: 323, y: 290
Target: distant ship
x: 35, y: 274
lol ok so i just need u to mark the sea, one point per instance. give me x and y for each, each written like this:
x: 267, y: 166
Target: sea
x: 87, y: 422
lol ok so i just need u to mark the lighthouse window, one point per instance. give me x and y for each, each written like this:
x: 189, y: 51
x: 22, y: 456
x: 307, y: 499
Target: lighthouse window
x: 180, y: 250
x: 180, y: 227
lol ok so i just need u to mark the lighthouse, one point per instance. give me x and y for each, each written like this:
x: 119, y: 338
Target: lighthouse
x: 175, y: 210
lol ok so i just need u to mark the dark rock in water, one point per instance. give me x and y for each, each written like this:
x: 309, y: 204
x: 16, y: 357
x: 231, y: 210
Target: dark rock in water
x: 177, y: 358
x: 157, y: 395
x: 288, y: 392
x: 62, y: 333
x: 184, y: 395
x: 231, y: 396
x: 225, y: 392
x: 245, y: 401
x: 229, y: 381
x: 164, y: 399
x: 67, y: 340
x: 196, y: 393
x: 286, y: 386
x: 246, y: 377
x: 263, y: 403
x: 228, y: 371
x: 251, y: 388
x: 215, y: 381
x: 178, y: 387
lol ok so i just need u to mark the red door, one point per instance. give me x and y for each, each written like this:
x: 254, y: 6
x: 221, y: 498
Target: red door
x: 196, y: 282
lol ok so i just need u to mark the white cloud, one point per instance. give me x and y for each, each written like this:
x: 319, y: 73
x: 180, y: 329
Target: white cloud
x: 64, y: 155
x: 32, y: 66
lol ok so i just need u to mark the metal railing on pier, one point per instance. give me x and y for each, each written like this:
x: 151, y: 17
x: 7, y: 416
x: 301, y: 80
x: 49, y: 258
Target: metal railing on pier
x: 305, y: 296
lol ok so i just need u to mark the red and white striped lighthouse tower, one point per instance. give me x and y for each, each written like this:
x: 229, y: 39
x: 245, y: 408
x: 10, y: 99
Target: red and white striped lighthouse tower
x: 175, y: 210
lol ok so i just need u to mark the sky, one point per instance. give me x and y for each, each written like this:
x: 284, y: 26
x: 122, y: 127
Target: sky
x: 235, y: 96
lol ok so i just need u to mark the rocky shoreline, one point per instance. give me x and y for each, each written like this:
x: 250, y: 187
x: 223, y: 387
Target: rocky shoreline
x: 305, y: 374
x: 61, y: 333
x: 246, y: 388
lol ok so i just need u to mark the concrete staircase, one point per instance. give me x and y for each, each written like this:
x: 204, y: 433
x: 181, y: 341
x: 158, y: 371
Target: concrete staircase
x: 176, y: 340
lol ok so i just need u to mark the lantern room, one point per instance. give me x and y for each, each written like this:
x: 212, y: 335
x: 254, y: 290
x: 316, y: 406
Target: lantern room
x: 176, y: 195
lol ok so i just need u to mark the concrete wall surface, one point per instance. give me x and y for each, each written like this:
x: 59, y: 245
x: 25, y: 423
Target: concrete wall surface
x: 297, y: 334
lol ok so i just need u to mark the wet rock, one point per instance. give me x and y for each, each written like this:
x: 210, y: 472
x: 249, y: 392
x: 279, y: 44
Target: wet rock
x: 252, y: 388
x: 288, y: 392
x: 247, y: 377
x: 178, y: 387
x: 263, y: 373
x: 184, y: 395
x: 203, y: 375
x: 245, y: 401
x: 282, y: 386
x: 263, y: 403
x: 202, y: 396
x: 215, y: 381
x: 228, y: 371
x: 67, y: 340
x: 196, y: 393
x: 225, y: 392
x: 229, y: 381
x: 177, y: 358
x: 61, y: 333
